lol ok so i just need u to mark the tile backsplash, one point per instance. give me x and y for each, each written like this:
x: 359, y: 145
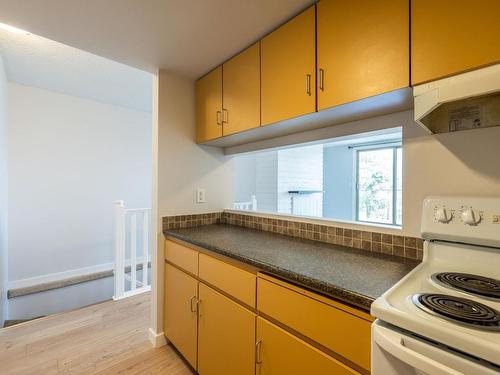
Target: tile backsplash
x: 188, y: 221
x: 408, y: 247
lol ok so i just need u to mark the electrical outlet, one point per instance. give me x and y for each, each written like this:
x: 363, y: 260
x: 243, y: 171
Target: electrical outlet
x: 200, y: 195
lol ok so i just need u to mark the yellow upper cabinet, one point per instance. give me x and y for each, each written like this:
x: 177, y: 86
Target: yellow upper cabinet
x: 452, y: 36
x: 209, y: 106
x: 363, y: 49
x: 241, y: 91
x: 288, y: 69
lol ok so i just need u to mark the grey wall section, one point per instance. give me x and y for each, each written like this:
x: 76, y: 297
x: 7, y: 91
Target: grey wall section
x: 266, y: 181
x: 3, y: 196
x: 300, y: 168
x: 338, y: 183
x: 244, y: 178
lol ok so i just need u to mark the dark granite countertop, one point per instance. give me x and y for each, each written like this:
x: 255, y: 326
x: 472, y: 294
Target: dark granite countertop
x: 354, y: 276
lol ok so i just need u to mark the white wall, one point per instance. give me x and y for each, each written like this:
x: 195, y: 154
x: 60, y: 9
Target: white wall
x: 266, y: 181
x: 183, y: 165
x: 3, y: 195
x: 459, y: 163
x: 270, y: 175
x: 69, y: 160
x: 300, y: 168
x: 180, y: 167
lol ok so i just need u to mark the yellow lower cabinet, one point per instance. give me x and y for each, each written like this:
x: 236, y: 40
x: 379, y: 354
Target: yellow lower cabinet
x: 232, y: 280
x: 180, y: 321
x: 182, y: 256
x: 281, y: 353
x: 339, y: 330
x: 226, y: 335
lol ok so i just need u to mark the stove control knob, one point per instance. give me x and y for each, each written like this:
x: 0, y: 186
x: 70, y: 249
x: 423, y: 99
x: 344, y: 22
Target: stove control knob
x: 442, y: 215
x: 470, y: 216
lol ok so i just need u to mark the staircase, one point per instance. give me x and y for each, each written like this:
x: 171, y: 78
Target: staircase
x: 132, y: 251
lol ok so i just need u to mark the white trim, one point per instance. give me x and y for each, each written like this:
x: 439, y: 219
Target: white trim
x: 156, y: 321
x: 394, y: 146
x: 59, y: 276
x: 157, y: 339
x: 134, y: 292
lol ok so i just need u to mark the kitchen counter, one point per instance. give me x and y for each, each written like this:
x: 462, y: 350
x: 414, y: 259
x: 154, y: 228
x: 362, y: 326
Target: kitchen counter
x: 354, y: 276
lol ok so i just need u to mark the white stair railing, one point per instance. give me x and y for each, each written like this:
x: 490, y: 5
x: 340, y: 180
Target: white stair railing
x: 248, y: 206
x: 131, y: 226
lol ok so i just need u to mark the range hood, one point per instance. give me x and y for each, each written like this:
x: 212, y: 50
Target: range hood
x: 467, y: 101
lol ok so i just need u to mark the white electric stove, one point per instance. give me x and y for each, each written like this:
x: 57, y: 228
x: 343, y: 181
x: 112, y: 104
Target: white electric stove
x: 444, y: 316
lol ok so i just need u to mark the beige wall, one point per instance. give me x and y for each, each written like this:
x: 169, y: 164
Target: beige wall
x: 3, y: 195
x: 181, y: 166
x: 460, y: 163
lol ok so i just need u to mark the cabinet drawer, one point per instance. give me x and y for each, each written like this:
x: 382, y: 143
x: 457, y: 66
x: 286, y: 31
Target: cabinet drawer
x: 281, y: 353
x: 340, y: 331
x: 182, y: 256
x: 236, y: 282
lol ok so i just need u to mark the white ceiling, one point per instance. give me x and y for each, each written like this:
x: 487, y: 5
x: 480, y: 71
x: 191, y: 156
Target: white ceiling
x: 35, y: 61
x: 185, y: 36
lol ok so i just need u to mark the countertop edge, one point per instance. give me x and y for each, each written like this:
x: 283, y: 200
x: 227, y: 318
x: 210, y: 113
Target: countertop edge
x: 346, y: 296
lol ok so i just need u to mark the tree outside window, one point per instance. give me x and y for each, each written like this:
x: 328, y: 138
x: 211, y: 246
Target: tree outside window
x: 379, y: 186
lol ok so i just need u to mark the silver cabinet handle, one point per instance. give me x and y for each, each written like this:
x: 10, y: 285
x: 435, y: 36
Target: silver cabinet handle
x: 219, y: 121
x: 308, y: 84
x: 258, y: 356
x: 225, y: 116
x: 196, y: 301
x: 322, y: 79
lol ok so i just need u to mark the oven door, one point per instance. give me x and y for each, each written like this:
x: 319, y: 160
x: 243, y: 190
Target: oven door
x: 397, y: 353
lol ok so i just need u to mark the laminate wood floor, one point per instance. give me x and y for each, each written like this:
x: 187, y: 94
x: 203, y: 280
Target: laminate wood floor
x: 107, y: 338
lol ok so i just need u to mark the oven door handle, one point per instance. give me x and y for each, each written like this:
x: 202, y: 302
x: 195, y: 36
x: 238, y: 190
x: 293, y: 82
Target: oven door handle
x: 394, y: 344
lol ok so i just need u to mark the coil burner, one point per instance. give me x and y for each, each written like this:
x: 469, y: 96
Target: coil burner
x: 459, y: 310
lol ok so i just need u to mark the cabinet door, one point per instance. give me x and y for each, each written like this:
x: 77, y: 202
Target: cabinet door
x: 453, y: 36
x: 288, y: 69
x: 209, y: 106
x: 363, y: 49
x: 281, y: 353
x: 241, y: 91
x: 180, y: 321
x: 226, y: 341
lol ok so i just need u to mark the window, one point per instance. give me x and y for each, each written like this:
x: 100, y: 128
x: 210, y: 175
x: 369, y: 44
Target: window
x: 357, y: 178
x: 379, y: 185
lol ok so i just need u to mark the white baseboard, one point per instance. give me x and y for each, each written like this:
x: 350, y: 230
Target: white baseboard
x: 157, y: 339
x: 58, y: 276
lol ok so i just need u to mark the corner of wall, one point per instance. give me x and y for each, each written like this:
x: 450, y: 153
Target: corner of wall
x: 157, y: 339
x: 180, y: 167
x: 3, y: 196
